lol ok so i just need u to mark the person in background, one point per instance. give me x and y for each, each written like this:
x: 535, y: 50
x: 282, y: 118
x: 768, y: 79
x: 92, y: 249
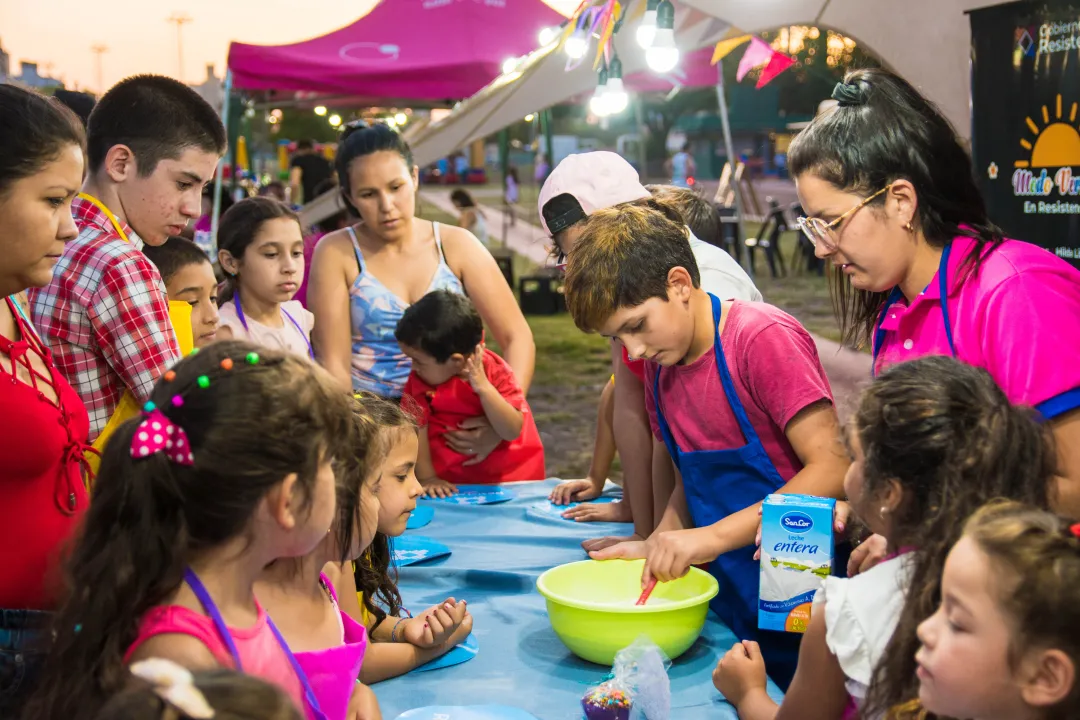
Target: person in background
x: 1003, y: 643
x: 363, y: 279
x: 152, y: 146
x: 735, y: 392
x: 162, y: 690
x: 80, y: 103
x: 511, y: 194
x: 699, y: 214
x: 308, y: 170
x: 200, y: 232
x: 472, y: 217
x: 541, y: 169
x: 920, y: 268
x: 581, y: 185
x: 189, y: 276
x: 681, y: 167
x: 261, y: 250
x: 276, y: 190
x: 454, y: 377
x: 43, y: 426
x: 337, y: 221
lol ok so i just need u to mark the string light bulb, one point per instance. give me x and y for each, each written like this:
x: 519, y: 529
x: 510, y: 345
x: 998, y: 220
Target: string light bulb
x: 598, y: 105
x: 615, y: 98
x: 663, y: 55
x: 646, y: 30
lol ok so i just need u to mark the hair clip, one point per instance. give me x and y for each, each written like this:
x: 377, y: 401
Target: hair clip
x: 252, y: 358
x: 849, y: 94
x: 170, y: 376
x: 227, y: 364
x: 175, y: 685
x: 177, y: 401
x: 157, y: 433
x: 194, y: 351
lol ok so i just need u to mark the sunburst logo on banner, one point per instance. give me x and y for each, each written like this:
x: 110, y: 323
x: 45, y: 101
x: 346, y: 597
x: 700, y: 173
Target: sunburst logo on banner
x: 1056, y: 143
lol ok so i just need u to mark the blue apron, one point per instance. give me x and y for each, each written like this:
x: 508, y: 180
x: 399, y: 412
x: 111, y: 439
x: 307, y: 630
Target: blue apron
x: 718, y: 483
x: 212, y: 611
x: 895, y: 295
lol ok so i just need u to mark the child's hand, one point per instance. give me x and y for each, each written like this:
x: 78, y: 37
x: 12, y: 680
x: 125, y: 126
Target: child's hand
x: 434, y: 626
x: 614, y: 512
x: 740, y: 672
x: 868, y: 554
x: 363, y: 705
x: 474, y: 370
x: 437, y: 488
x: 575, y: 491
x: 669, y: 555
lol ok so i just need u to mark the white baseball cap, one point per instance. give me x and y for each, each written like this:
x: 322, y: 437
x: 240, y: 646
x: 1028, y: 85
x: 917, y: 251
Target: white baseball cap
x: 584, y: 183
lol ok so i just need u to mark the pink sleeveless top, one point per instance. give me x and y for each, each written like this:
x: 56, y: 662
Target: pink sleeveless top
x: 332, y: 673
x: 260, y: 653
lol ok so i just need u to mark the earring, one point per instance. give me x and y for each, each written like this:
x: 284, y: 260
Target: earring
x: 909, y: 227
x: 883, y: 511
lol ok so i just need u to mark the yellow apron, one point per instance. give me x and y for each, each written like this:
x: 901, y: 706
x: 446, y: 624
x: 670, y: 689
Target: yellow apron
x: 179, y: 317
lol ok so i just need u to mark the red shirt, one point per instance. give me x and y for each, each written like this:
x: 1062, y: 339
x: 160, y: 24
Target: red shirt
x: 42, y: 486
x: 636, y: 366
x: 775, y: 367
x: 444, y: 407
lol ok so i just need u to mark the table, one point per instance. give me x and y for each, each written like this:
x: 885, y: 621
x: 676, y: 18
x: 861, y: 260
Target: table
x: 498, y: 553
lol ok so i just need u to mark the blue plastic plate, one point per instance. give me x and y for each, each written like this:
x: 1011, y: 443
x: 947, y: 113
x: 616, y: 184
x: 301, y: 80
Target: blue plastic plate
x: 470, y: 712
x: 413, y: 549
x: 464, y: 652
x: 477, y: 495
x: 420, y: 517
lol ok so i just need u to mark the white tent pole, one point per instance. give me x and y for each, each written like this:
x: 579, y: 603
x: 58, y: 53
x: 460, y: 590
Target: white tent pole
x: 740, y: 247
x: 221, y: 164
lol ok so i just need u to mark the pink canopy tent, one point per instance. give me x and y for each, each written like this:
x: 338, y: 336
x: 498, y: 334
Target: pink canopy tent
x: 413, y: 49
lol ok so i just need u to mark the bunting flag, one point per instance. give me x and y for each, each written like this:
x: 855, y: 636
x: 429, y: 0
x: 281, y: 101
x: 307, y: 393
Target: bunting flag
x: 603, y: 46
x: 756, y: 55
x: 777, y: 64
x: 726, y: 47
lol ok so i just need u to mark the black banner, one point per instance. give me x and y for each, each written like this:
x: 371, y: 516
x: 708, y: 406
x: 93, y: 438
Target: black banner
x: 1025, y: 91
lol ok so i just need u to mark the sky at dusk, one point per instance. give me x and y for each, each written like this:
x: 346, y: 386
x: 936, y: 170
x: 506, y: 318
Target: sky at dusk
x: 139, y: 37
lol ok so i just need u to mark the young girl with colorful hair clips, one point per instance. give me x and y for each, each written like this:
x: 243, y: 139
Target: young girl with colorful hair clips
x: 399, y: 641
x: 229, y: 467
x: 1004, y: 643
x: 162, y: 690
x: 300, y: 592
x: 931, y: 441
x: 261, y: 250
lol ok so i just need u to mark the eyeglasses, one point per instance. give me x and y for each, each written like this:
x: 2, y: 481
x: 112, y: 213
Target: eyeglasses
x: 821, y: 233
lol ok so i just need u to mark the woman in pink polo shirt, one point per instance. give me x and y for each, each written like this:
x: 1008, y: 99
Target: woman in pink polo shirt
x: 891, y: 200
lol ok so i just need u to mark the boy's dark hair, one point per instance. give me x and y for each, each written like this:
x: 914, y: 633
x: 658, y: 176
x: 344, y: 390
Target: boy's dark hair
x: 948, y: 435
x: 623, y: 258
x: 240, y: 225
x: 376, y: 576
x: 697, y: 213
x: 361, y: 139
x: 462, y: 198
x: 80, y: 103
x: 157, y: 117
x: 883, y: 130
x: 302, y: 145
x: 232, y: 695
x: 34, y: 130
x: 442, y: 323
x: 175, y: 254
x: 252, y: 416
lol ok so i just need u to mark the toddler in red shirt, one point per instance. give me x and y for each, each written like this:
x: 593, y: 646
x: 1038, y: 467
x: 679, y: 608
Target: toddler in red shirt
x: 454, y: 378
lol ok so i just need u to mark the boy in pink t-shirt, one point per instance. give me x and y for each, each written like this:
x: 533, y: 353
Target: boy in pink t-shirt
x: 737, y: 398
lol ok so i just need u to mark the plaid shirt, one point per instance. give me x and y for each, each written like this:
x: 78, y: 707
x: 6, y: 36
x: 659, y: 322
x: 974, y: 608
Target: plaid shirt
x: 105, y: 316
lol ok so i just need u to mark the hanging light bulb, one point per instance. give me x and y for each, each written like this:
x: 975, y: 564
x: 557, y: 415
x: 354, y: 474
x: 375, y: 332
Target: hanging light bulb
x: 578, y: 44
x: 335, y: 120
x: 401, y: 118
x: 509, y: 65
x: 646, y: 30
x: 662, y: 56
x: 598, y: 103
x: 320, y: 110
x: 615, y: 98
x: 547, y: 36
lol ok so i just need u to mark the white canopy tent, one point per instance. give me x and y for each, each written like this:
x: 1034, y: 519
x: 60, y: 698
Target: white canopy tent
x: 926, y: 41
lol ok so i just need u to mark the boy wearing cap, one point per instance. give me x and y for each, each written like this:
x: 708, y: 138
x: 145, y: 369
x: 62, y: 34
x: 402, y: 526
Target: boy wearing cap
x: 581, y: 185
x: 735, y: 392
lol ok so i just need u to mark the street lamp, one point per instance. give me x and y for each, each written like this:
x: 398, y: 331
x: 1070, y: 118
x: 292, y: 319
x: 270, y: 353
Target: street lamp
x: 662, y: 56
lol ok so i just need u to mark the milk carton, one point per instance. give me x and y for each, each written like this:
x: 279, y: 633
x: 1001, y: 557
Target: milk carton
x: 796, y: 557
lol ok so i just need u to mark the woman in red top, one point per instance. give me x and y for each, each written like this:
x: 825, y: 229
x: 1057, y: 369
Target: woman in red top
x: 43, y: 424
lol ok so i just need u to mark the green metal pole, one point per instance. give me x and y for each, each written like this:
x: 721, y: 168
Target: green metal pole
x: 549, y: 139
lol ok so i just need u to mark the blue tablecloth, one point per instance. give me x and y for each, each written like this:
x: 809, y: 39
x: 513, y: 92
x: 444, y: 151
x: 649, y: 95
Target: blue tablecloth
x: 498, y: 553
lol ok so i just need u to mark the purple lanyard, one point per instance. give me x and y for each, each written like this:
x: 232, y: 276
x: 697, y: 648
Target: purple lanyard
x: 290, y: 318
x: 210, y: 607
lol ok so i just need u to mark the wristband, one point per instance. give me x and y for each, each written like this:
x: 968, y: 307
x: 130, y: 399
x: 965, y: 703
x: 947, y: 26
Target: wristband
x: 393, y: 631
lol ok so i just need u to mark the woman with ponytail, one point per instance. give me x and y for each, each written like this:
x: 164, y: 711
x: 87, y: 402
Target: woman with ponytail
x: 228, y: 468
x: 918, y: 267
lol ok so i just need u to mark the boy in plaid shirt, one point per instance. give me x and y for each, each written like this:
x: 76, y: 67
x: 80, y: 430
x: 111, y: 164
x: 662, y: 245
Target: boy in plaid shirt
x: 152, y: 146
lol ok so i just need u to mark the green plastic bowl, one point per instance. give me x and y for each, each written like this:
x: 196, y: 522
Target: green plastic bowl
x: 591, y: 608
